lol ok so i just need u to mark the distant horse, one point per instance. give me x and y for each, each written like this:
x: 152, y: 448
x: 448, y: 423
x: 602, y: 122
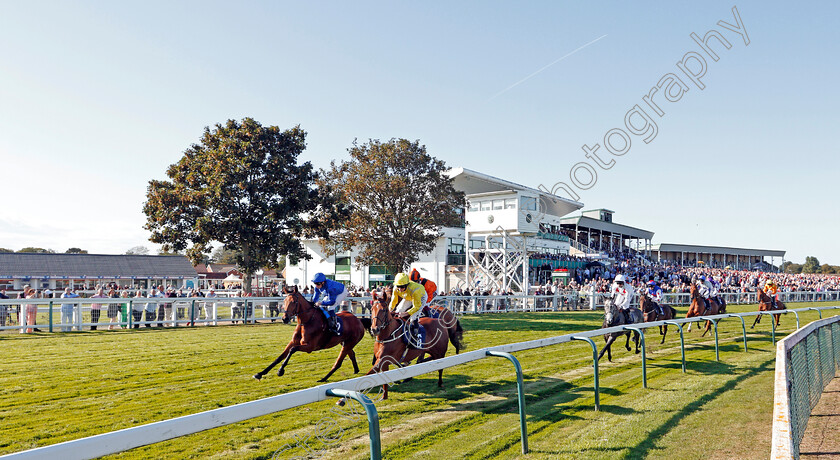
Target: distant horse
x: 312, y: 333
x: 390, y: 348
x: 651, y: 313
x: 698, y: 308
x: 446, y: 317
x: 766, y: 304
x: 612, y: 318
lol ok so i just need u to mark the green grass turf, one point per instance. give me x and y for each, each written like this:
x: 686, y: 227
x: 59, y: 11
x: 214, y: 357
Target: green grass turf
x: 57, y: 387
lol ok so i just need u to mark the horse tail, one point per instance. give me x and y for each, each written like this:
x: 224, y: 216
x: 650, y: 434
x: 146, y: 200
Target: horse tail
x: 457, y: 337
x: 673, y: 311
x: 366, y: 323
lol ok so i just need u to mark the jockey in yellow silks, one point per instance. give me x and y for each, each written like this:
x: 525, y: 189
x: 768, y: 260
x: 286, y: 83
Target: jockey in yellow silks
x: 409, y: 297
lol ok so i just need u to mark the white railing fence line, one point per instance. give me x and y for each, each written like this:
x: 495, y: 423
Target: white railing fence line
x: 189, y: 311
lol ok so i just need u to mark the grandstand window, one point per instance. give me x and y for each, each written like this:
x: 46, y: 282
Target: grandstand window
x: 473, y: 206
x: 528, y: 203
x: 510, y: 203
x: 498, y: 204
x: 476, y: 244
x: 485, y: 205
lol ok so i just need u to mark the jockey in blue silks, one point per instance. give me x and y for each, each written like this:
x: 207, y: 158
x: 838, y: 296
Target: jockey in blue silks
x: 328, y: 296
x: 655, y: 294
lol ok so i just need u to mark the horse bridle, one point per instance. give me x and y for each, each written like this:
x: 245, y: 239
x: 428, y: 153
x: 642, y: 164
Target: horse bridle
x: 383, y: 325
x: 296, y: 310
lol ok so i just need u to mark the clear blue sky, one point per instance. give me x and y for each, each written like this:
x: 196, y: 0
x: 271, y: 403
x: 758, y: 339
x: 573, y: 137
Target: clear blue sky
x: 98, y: 98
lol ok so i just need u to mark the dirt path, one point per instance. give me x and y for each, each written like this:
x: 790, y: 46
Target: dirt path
x: 822, y: 436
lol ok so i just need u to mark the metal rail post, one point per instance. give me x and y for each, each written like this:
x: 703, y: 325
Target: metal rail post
x: 520, y: 389
x: 595, y: 366
x: 682, y: 341
x: 797, y: 317
x: 372, y: 416
x: 773, y: 323
x: 819, y: 310
x: 743, y: 327
x: 51, y: 315
x: 644, y: 361
x: 717, y: 346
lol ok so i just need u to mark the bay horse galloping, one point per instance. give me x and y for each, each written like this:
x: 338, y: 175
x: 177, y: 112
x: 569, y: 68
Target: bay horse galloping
x: 613, y: 317
x: 446, y: 317
x: 312, y: 333
x: 390, y: 348
x: 651, y: 313
x: 698, y: 308
x: 765, y: 303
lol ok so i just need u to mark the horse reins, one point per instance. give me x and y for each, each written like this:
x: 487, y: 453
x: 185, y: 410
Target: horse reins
x: 386, y: 323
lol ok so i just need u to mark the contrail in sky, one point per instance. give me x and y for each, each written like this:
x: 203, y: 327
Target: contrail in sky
x: 538, y: 71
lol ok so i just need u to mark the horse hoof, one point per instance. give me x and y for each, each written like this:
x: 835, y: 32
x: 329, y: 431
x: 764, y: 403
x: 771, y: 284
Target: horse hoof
x: 258, y: 376
x: 637, y: 351
x: 322, y: 380
x: 280, y: 373
x: 341, y: 402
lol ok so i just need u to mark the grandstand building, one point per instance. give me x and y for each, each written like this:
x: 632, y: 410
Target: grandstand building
x: 717, y: 256
x: 512, y: 236
x: 595, y: 234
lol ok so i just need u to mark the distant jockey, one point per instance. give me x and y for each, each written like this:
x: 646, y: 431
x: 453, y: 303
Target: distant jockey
x: 772, y: 290
x: 621, y: 294
x: 655, y: 294
x: 428, y: 285
x: 704, y: 288
x: 328, y: 295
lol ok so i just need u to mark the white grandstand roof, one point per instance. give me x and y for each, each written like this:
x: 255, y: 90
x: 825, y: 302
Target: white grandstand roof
x: 693, y: 248
x: 473, y: 182
x: 620, y: 229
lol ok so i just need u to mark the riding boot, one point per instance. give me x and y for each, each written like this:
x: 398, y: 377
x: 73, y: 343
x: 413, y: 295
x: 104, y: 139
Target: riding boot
x: 333, y: 321
x: 626, y: 316
x: 414, y: 331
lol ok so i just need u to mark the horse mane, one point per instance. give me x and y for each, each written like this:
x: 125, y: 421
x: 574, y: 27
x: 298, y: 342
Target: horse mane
x: 294, y: 292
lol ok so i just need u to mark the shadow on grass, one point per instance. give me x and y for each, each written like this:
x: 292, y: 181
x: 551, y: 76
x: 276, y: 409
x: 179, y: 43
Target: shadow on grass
x: 643, y: 448
x: 577, y: 321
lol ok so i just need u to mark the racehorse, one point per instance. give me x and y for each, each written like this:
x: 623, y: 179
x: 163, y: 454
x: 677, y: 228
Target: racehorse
x: 698, y: 308
x: 613, y: 317
x: 766, y: 304
x: 446, y: 317
x: 312, y: 333
x: 650, y: 313
x: 390, y: 348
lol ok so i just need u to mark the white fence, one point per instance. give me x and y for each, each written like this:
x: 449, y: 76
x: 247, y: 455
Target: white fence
x: 77, y: 314
x: 806, y: 361
x: 129, y: 438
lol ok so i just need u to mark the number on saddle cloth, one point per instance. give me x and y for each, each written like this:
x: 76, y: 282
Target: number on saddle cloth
x: 410, y: 341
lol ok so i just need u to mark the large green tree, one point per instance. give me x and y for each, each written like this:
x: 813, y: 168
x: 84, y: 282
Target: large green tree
x: 398, y: 199
x: 240, y: 185
x: 811, y: 265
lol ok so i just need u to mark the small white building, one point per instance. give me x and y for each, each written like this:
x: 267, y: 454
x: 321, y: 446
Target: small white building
x: 503, y: 221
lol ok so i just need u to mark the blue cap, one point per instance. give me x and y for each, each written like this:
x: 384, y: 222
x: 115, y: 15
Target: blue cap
x: 319, y: 278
